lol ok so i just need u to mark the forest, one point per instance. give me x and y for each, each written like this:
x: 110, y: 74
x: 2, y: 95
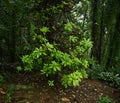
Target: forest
x: 59, y: 51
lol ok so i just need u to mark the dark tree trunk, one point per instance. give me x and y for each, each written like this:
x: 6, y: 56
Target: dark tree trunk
x: 1, y: 57
x: 12, y: 38
x: 95, y: 32
x: 114, y: 53
x: 102, y: 32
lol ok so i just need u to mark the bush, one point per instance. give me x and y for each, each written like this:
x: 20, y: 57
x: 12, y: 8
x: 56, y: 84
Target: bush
x: 70, y: 65
x: 105, y: 99
x: 111, y: 78
x: 1, y: 79
x: 95, y: 70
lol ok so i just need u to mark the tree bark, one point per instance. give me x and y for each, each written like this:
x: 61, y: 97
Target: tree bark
x: 12, y: 38
x: 95, y: 31
x: 114, y: 54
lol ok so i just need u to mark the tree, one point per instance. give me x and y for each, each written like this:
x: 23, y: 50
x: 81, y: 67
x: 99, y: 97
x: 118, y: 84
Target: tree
x: 60, y: 49
x: 104, y: 21
x: 114, y: 52
x: 96, y: 50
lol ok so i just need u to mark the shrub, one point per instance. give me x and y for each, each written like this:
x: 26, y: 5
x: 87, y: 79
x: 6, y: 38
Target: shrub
x: 95, y: 70
x: 110, y: 77
x: 105, y: 99
x: 47, y: 57
x: 1, y: 79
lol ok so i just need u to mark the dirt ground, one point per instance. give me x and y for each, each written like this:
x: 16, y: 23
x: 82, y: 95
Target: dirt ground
x: 32, y: 89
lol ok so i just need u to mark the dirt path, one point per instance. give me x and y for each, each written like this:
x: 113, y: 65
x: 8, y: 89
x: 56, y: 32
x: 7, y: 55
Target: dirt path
x: 87, y: 92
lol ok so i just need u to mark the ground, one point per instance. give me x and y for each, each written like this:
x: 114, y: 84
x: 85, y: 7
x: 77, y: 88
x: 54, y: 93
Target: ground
x: 34, y: 89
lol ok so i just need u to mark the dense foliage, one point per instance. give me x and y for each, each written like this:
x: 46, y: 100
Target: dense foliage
x: 59, y: 48
x: 61, y: 39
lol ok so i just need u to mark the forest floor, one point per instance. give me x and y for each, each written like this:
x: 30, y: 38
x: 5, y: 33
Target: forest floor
x: 33, y: 89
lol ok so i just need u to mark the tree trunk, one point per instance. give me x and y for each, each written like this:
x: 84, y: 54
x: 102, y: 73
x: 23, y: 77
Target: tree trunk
x: 96, y: 31
x: 12, y: 38
x: 114, y: 53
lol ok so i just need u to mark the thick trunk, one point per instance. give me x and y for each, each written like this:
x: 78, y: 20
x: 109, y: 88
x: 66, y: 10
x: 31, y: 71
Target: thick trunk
x: 114, y: 53
x: 0, y: 57
x: 102, y: 32
x: 96, y: 32
x: 12, y: 38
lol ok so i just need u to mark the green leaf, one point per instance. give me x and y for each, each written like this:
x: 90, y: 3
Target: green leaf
x: 72, y: 79
x: 51, y: 83
x: 19, y: 68
x: 69, y: 26
x: 44, y: 30
x: 73, y: 39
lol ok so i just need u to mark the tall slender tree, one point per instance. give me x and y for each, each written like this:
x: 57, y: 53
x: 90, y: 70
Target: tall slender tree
x: 95, y: 30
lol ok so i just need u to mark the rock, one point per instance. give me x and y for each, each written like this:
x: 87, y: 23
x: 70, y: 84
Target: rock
x: 73, y: 96
x: 2, y: 91
x: 66, y: 100
x: 95, y: 89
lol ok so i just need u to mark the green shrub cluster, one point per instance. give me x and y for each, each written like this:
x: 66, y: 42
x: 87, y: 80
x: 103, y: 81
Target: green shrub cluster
x: 105, y: 99
x: 50, y: 60
x: 1, y: 79
x: 110, y: 77
x: 97, y: 72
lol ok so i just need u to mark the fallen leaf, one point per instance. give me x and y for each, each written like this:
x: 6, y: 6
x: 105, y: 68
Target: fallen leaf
x: 2, y: 91
x: 66, y: 100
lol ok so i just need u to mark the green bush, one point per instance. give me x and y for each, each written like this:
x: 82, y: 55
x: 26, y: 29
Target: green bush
x: 111, y: 78
x: 70, y: 65
x: 2, y: 80
x: 73, y: 79
x: 95, y: 70
x: 105, y: 99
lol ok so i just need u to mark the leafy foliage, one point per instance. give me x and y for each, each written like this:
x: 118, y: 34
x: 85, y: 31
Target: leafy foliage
x: 57, y: 45
x: 110, y: 77
x: 69, y: 26
x: 97, y: 72
x: 1, y: 79
x: 105, y: 99
x: 50, y: 60
x: 74, y: 78
x: 51, y: 83
x: 55, y: 37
